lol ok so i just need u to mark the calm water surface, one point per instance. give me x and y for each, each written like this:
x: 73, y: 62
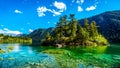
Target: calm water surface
x: 29, y: 56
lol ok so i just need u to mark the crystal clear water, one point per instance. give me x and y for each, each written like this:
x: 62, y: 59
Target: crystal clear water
x: 30, y: 56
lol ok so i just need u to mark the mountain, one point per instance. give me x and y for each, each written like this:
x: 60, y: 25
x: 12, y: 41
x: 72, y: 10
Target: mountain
x: 109, y: 24
x: 21, y: 35
x: 39, y: 34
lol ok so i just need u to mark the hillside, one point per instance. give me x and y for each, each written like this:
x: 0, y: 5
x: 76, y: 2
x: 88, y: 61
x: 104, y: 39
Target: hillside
x: 109, y: 24
x: 39, y: 34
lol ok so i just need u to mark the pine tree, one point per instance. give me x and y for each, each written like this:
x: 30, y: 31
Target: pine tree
x: 86, y: 24
x: 94, y: 31
x: 48, y: 36
x: 65, y: 27
x: 73, y: 26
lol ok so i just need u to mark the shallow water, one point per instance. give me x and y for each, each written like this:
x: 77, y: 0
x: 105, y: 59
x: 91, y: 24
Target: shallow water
x: 29, y: 56
x: 24, y: 56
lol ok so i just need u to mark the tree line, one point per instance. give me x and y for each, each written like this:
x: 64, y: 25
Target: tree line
x: 14, y: 39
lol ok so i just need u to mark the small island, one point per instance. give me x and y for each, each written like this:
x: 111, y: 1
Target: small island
x: 69, y: 32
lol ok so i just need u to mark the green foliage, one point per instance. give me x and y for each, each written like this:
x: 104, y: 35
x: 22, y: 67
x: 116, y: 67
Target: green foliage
x: 69, y: 32
x: 14, y: 39
x: 93, y: 31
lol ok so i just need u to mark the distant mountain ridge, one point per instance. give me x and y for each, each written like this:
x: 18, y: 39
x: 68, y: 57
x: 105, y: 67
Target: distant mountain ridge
x: 39, y: 34
x: 108, y: 22
x: 21, y: 35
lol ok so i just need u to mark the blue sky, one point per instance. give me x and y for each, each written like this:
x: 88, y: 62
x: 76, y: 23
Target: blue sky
x: 24, y: 16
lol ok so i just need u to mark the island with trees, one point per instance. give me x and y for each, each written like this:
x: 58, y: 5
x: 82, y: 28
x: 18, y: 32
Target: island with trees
x: 69, y: 32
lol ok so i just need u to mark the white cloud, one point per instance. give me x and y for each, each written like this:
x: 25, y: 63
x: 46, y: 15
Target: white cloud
x: 9, y: 32
x: 6, y: 29
x: 18, y: 11
x: 91, y: 8
x: 41, y: 11
x: 30, y: 30
x: 80, y: 1
x: 60, y: 5
x: 80, y: 9
x: 55, y: 13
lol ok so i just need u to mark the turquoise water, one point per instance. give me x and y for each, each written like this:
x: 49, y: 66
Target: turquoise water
x: 24, y: 56
x: 29, y: 56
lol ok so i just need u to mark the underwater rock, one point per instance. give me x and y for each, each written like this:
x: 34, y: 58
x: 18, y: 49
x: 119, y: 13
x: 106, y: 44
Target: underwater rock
x: 88, y: 54
x: 32, y: 63
x: 90, y: 66
x: 1, y: 58
x: 11, y: 58
x: 116, y: 57
x: 59, y: 45
x: 81, y: 66
x: 38, y: 64
x: 1, y: 51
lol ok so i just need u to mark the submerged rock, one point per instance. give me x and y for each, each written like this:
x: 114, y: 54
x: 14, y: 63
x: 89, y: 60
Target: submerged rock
x: 88, y: 54
x: 1, y: 58
x: 116, y: 57
x: 59, y: 45
x: 11, y: 58
x: 90, y: 66
x: 81, y: 66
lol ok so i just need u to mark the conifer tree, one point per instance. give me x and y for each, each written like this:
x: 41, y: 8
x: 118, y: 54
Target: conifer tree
x: 94, y: 31
x: 48, y: 36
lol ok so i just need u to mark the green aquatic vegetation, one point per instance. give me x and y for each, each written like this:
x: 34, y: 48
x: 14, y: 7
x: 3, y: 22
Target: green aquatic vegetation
x: 11, y: 58
x: 1, y: 51
x: 56, y: 51
x: 63, y: 58
x: 72, y: 57
x: 1, y: 58
x: 8, y: 49
x: 11, y: 47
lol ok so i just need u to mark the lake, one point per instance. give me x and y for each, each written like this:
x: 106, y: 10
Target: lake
x: 36, y: 56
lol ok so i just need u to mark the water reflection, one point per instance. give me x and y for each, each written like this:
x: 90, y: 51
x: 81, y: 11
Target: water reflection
x: 22, y: 48
x: 30, y: 50
x: 91, y: 49
x: 101, y: 49
x: 16, y: 48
